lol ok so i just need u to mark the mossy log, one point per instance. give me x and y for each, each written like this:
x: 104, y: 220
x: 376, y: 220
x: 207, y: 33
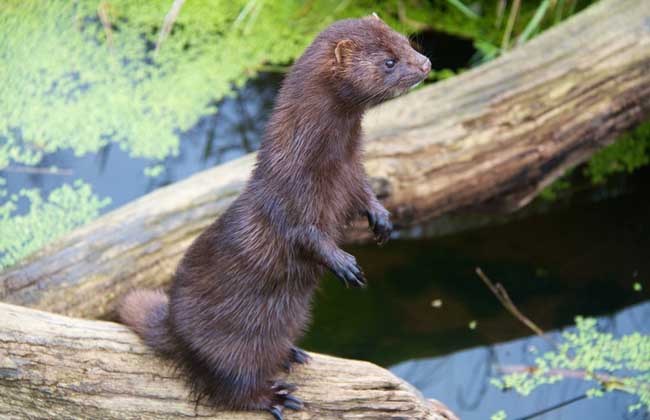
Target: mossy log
x: 490, y: 138
x: 56, y: 367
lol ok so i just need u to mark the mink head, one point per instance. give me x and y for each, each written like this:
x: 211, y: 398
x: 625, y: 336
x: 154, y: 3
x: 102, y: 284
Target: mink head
x: 371, y: 62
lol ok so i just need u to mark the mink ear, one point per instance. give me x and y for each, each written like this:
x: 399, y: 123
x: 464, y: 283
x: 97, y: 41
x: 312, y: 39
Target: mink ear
x: 375, y: 16
x: 343, y: 47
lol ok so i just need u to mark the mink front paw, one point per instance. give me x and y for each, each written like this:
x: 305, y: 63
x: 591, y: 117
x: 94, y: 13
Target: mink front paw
x: 346, y: 269
x: 379, y: 222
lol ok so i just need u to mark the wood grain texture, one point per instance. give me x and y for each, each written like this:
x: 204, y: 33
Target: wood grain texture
x: 486, y: 140
x: 52, y: 366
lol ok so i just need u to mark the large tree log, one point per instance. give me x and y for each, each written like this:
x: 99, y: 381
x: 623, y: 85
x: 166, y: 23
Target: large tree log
x: 489, y: 138
x: 52, y: 366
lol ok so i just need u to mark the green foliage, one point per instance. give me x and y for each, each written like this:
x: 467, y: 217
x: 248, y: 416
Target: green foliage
x: 627, y: 154
x: 76, y: 83
x: 65, y: 208
x: 551, y: 192
x: 495, y: 30
x: 610, y: 363
x: 81, y: 74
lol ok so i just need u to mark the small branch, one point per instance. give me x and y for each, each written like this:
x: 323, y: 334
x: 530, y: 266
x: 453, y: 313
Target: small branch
x: 609, y: 382
x: 553, y: 407
x: 37, y: 170
x: 168, y: 23
x: 503, y: 297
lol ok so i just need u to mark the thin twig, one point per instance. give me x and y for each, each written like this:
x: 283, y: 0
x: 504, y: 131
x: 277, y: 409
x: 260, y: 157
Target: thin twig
x: 553, y: 407
x: 104, y: 16
x: 609, y: 382
x: 503, y: 297
x: 37, y: 170
x: 168, y: 23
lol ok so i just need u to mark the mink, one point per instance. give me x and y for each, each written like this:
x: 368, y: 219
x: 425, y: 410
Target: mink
x: 241, y: 295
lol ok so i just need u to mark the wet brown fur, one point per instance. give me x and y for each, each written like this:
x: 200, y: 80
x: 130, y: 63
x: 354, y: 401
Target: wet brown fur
x: 241, y: 294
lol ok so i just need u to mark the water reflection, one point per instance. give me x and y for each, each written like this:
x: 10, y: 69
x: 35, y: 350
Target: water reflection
x: 461, y: 380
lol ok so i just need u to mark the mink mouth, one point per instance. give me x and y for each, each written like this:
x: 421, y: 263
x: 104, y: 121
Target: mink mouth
x: 412, y: 82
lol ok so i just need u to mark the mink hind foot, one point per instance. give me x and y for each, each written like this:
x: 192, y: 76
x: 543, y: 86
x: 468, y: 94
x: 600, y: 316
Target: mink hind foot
x: 282, y: 399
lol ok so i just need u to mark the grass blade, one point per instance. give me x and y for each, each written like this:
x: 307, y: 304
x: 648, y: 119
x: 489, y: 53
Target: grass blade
x: 463, y: 9
x: 534, y: 24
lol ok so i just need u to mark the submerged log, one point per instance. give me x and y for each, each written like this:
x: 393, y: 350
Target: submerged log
x: 52, y: 366
x: 490, y: 138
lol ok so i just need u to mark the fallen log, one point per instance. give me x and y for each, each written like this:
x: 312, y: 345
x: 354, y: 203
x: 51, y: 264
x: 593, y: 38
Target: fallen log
x: 52, y: 366
x: 490, y: 138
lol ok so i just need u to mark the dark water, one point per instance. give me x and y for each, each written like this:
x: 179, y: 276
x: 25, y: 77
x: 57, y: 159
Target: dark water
x: 579, y: 259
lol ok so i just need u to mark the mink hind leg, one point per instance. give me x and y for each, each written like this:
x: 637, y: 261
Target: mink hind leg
x: 236, y: 387
x: 272, y: 396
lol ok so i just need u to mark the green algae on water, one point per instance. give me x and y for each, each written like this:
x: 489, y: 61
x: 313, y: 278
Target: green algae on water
x: 65, y: 208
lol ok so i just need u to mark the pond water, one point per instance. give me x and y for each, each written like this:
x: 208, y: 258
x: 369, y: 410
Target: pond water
x: 578, y: 259
x: 462, y: 379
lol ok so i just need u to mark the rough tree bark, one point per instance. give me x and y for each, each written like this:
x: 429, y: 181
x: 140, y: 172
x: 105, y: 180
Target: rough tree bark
x: 489, y: 138
x: 53, y: 366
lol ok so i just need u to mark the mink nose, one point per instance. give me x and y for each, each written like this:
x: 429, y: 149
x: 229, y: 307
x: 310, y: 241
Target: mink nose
x: 425, y: 67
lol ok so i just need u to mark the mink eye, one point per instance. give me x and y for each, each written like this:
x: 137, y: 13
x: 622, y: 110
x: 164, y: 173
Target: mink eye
x: 389, y: 63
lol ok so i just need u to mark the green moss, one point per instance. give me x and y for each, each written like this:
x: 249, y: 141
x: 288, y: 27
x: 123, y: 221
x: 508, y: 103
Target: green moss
x: 65, y: 208
x: 551, y: 192
x: 628, y: 153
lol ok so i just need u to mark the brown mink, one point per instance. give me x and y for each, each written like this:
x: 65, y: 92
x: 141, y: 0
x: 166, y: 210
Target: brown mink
x: 241, y: 295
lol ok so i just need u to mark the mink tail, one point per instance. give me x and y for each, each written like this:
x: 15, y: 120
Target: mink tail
x: 146, y: 312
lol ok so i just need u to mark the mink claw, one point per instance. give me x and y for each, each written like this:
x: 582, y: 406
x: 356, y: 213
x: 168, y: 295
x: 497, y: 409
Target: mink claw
x: 349, y: 273
x: 299, y: 356
x: 282, y: 398
x: 381, y: 226
x: 293, y: 403
x: 372, y: 220
x: 276, y: 411
x: 281, y: 387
